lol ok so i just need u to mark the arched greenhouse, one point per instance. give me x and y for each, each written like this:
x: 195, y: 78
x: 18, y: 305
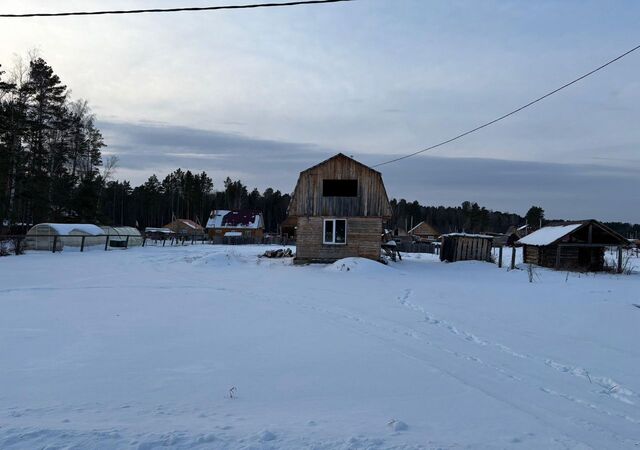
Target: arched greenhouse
x: 118, y: 236
x: 63, y: 235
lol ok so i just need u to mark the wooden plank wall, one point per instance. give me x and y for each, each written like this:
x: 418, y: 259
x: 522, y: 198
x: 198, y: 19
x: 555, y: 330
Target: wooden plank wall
x: 569, y: 257
x: 465, y: 248
x: 363, y: 239
x: 372, y: 200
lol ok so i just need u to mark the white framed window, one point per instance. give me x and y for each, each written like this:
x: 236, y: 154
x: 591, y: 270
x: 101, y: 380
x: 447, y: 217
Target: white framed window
x: 334, y: 231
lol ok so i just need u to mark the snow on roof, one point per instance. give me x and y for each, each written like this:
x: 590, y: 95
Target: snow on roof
x: 67, y: 228
x: 548, y: 235
x: 483, y: 236
x: 189, y: 223
x: 157, y: 230
x: 235, y: 219
x: 215, y: 221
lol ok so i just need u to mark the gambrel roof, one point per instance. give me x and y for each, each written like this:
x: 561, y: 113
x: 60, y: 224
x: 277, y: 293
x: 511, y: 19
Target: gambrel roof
x: 371, y: 200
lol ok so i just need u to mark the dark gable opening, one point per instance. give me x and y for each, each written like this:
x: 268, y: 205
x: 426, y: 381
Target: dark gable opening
x: 339, y: 188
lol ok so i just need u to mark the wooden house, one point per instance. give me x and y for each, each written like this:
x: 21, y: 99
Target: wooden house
x: 185, y: 227
x: 340, y: 206
x: 572, y: 246
x: 235, y: 224
x: 425, y: 232
x: 465, y: 247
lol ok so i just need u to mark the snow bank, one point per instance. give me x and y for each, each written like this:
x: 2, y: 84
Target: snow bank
x: 357, y: 265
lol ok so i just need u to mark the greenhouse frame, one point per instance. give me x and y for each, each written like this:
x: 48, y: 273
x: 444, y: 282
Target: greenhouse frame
x: 82, y: 236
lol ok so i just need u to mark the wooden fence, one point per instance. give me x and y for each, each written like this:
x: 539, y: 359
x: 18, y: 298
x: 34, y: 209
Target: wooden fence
x: 418, y: 247
x: 17, y: 244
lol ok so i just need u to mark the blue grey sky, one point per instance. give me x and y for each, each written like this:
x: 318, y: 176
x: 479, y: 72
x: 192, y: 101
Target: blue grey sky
x: 260, y: 95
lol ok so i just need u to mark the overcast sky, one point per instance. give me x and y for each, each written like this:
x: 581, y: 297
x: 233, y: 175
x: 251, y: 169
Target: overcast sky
x: 262, y: 94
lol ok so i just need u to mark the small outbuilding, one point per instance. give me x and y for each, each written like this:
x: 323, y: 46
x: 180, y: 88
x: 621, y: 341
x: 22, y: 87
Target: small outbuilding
x: 572, y: 246
x: 425, y: 232
x: 340, y: 205
x: 186, y: 228
x: 288, y: 228
x: 465, y: 247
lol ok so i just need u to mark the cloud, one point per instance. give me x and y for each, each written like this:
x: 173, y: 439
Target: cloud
x: 273, y: 91
x: 563, y: 190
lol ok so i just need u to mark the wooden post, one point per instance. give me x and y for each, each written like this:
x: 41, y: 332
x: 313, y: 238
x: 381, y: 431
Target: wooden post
x: 619, y: 259
x: 144, y: 241
x: 126, y: 242
x: 82, y: 244
x: 106, y: 243
x: 164, y: 241
x: 55, y: 241
x: 558, y: 256
x: 513, y: 258
x: 500, y: 257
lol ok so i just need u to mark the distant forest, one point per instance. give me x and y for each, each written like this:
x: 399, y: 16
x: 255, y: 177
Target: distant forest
x: 52, y: 170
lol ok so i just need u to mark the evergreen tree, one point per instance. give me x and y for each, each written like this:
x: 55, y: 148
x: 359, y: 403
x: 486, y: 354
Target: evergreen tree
x: 535, y: 217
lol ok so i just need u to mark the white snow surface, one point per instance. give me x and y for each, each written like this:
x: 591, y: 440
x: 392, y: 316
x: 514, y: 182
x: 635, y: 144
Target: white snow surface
x: 548, y: 235
x: 140, y: 349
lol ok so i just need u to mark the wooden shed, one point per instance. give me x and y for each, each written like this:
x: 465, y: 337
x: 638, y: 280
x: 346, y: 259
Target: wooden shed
x: 465, y: 247
x: 572, y: 246
x: 425, y: 231
x: 340, y: 206
x: 185, y: 227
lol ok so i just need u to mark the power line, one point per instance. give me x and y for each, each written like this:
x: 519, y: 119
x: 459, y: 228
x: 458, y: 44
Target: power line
x: 515, y: 111
x: 171, y: 10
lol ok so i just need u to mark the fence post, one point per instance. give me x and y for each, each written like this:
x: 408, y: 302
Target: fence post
x: 500, y: 257
x: 619, y: 259
x: 144, y: 241
x: 16, y: 246
x: 55, y: 241
x: 106, y: 243
x: 82, y: 244
x: 126, y: 242
x: 513, y: 258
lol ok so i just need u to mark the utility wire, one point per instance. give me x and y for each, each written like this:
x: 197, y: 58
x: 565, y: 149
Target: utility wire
x: 515, y: 111
x: 171, y: 10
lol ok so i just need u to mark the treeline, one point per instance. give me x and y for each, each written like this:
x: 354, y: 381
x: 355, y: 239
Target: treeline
x: 468, y: 217
x: 182, y: 194
x: 52, y: 170
x: 49, y: 148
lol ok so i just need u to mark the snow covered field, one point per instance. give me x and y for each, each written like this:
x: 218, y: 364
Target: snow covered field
x: 139, y: 349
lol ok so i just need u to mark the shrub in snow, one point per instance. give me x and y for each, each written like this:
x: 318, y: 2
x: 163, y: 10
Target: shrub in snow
x: 232, y: 392
x: 533, y: 274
